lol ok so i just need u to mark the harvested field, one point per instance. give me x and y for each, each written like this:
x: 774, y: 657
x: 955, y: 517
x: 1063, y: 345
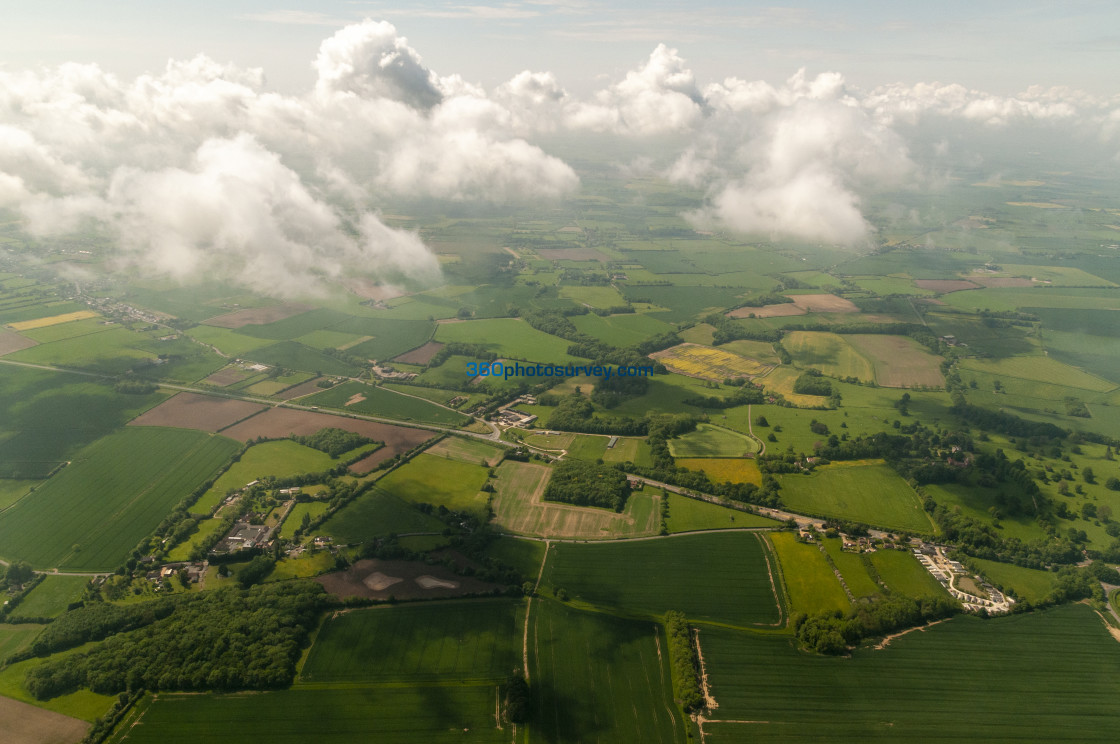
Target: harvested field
x: 298, y: 391
x: 227, y: 376
x: 707, y: 363
x: 467, y: 450
x: 899, y: 361
x: 26, y: 724
x: 10, y: 342
x: 195, y: 411
x: 377, y: 579
x: 277, y: 423
x: 368, y: 463
x: 421, y: 354
x: 824, y: 303
x: 768, y: 311
x: 257, y: 315
x: 944, y: 286
x: 27, y: 325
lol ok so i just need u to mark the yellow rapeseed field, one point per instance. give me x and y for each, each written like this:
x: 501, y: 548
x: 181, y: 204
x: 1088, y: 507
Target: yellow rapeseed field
x: 27, y: 325
x: 708, y: 363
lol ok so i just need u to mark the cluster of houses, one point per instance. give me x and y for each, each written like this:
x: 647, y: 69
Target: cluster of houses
x: 807, y: 533
x: 948, y: 571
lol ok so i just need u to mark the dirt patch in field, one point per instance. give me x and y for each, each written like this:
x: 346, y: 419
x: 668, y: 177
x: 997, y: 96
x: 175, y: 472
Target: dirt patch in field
x: 421, y: 354
x: 370, y: 462
x: 944, y: 286
x: 824, y: 303
x: 355, y: 398
x: 257, y: 315
x: 195, y: 411
x: 411, y: 580
x: 227, y: 376
x: 26, y: 724
x: 277, y: 423
x: 572, y: 254
x: 767, y: 311
x: 300, y: 390
x: 997, y: 282
x: 10, y: 342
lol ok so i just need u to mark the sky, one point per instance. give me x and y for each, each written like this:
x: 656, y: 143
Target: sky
x: 262, y: 141
x: 1001, y: 47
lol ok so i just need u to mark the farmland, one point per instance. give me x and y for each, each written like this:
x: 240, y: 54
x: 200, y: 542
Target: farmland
x: 51, y: 597
x: 592, y: 672
x: 117, y: 490
x: 479, y: 640
x: 790, y: 694
x: 686, y: 515
x: 724, y: 469
x: 830, y: 353
x: 201, y: 412
x: 872, y: 494
x: 281, y: 422
x: 900, y: 571
x: 721, y: 577
x: 279, y: 459
x: 898, y: 361
x: 377, y: 513
x: 509, y: 338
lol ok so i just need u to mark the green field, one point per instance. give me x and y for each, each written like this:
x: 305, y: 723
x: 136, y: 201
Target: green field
x: 872, y: 494
x: 902, y: 574
x: 294, y: 355
x: 476, y: 640
x: 993, y: 669
x: 1028, y: 583
x: 375, y: 514
x: 810, y: 584
x: 620, y: 330
x: 712, y: 441
x: 720, y: 577
x: 89, y: 515
x: 1039, y: 369
x: 828, y: 352
x: 281, y: 459
x: 344, y: 715
x: 377, y: 401
x: 439, y: 481
x: 12, y: 491
x: 205, y: 528
x: 687, y: 514
x: 45, y: 417
x: 598, y: 678
x: 51, y: 597
x: 509, y: 338
x: 15, y: 637
x: 295, y: 517
x: 852, y: 568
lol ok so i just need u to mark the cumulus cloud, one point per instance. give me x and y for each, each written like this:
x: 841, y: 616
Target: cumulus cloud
x: 200, y: 170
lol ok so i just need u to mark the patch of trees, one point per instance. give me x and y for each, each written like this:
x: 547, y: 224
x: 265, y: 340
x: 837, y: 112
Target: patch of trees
x: 1005, y: 423
x: 831, y: 632
x: 610, y: 391
x: 726, y: 329
x: 659, y: 342
x: 517, y: 699
x: 682, y: 659
x: 226, y: 639
x: 135, y: 387
x: 588, y: 484
x: 575, y: 413
x: 983, y: 541
x: 747, y: 393
x: 811, y: 382
x: 333, y: 441
x: 255, y: 570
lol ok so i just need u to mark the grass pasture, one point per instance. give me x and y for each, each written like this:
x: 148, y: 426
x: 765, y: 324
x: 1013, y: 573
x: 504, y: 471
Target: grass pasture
x: 781, y: 381
x: 1039, y: 369
x: 620, y: 330
x: 708, y: 363
x: 510, y: 338
x: 117, y: 490
x: 830, y: 353
x: 902, y: 574
x: 51, y: 597
x: 466, y: 450
x: 993, y: 669
x: 281, y: 458
x: 520, y: 508
x: 710, y: 441
x: 1028, y: 583
x: 439, y: 481
x: 598, y: 678
x: 15, y: 637
x: 476, y: 640
x: 873, y: 494
x: 686, y: 515
x: 853, y: 569
x: 292, y: 522
x: 376, y: 513
x: 810, y: 584
x: 722, y: 577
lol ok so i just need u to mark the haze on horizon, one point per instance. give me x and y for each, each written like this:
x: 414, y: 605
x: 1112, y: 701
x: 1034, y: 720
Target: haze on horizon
x: 262, y: 154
